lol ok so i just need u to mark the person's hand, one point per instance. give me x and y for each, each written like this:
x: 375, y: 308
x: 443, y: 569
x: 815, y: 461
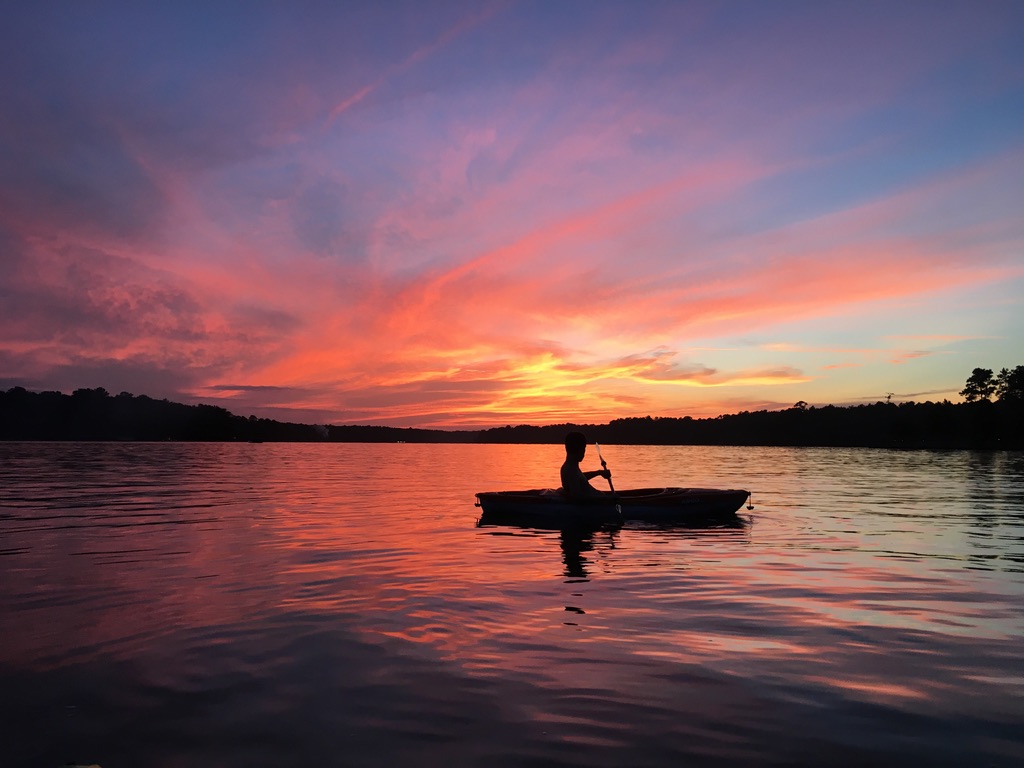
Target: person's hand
x: 606, y: 474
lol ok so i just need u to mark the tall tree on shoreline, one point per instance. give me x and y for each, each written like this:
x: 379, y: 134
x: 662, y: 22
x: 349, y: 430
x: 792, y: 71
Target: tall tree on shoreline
x: 980, y: 386
x: 1009, y: 385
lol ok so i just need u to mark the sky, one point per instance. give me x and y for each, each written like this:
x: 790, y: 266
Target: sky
x: 472, y: 214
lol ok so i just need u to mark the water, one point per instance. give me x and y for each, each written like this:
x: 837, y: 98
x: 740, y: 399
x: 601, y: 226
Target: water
x: 320, y: 605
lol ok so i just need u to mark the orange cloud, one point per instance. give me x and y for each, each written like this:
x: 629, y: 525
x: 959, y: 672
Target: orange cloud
x: 452, y: 335
x: 902, y: 357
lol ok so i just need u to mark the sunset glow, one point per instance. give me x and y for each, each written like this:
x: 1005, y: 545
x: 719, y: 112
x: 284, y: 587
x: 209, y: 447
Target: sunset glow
x: 464, y: 214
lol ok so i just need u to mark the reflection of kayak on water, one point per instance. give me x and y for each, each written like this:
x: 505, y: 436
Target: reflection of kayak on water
x: 645, y: 504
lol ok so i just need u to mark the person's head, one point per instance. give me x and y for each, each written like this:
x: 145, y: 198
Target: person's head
x: 576, y: 445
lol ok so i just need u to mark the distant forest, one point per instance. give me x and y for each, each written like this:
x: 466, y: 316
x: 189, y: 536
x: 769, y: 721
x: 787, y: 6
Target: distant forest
x: 991, y: 417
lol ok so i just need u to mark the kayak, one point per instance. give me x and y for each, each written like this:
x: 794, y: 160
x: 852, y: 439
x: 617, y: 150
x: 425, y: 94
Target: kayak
x: 644, y: 504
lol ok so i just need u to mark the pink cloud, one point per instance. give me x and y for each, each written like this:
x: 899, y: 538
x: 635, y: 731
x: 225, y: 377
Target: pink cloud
x: 904, y: 356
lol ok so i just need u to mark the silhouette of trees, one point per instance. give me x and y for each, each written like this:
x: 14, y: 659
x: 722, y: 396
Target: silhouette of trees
x: 979, y: 422
x: 980, y: 386
x: 92, y: 414
x: 1009, y: 385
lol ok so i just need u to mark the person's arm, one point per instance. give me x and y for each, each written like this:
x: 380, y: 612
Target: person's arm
x: 575, y: 482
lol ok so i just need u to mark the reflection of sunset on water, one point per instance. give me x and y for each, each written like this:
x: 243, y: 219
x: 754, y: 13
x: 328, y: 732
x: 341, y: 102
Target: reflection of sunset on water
x: 309, y: 568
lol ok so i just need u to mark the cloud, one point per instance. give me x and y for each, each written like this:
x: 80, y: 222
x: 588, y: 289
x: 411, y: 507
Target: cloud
x: 74, y: 295
x: 422, y: 53
x: 936, y: 338
x: 72, y: 311
x: 247, y: 388
x: 905, y: 356
x: 661, y: 368
x: 927, y: 393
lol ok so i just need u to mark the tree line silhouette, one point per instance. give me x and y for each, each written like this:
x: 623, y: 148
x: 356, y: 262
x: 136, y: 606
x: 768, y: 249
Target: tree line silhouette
x: 991, y: 416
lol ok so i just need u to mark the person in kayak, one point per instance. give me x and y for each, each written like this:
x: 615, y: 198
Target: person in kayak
x: 576, y: 482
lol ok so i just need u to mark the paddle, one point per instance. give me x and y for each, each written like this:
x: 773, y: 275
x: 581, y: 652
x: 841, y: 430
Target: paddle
x: 604, y: 465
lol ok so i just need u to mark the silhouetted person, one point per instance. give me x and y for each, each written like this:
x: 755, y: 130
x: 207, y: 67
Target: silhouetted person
x: 576, y: 482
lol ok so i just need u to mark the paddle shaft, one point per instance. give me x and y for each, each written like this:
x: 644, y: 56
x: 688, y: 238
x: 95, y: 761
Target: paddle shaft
x: 615, y: 496
x: 604, y: 465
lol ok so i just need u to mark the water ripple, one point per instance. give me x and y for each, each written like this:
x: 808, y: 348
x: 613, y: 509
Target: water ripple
x: 249, y: 605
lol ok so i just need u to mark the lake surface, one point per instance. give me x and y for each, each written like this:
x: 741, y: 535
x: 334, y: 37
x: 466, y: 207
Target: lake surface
x: 336, y: 605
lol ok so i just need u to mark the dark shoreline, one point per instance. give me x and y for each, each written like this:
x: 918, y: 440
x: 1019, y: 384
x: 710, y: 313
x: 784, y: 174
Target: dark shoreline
x: 93, y: 414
